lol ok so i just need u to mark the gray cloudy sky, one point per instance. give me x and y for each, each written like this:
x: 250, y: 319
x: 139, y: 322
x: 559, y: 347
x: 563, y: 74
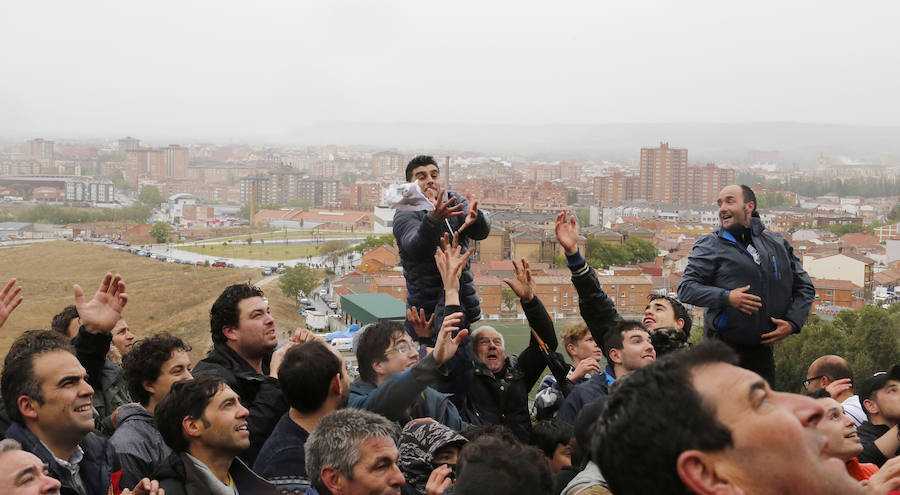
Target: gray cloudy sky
x: 233, y: 69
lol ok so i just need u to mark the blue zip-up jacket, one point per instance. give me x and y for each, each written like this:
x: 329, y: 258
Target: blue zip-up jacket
x: 719, y: 264
x: 597, y: 386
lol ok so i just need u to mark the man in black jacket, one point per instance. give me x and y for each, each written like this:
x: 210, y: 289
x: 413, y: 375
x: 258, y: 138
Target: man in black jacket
x: 244, y: 341
x: 880, y: 398
x: 754, y: 290
x: 418, y: 234
x: 205, y: 424
x: 496, y: 385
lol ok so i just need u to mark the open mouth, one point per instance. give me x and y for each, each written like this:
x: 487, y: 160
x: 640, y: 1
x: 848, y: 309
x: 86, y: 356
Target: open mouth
x: 243, y: 427
x: 725, y: 216
x: 647, y: 321
x: 852, y: 435
x: 86, y: 408
x: 651, y: 357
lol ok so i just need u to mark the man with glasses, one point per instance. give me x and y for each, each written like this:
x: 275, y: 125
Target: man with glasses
x: 833, y: 373
x: 393, y: 381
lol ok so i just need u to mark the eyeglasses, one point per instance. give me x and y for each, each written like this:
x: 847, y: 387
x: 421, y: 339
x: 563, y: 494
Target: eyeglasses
x: 810, y: 380
x: 401, y: 348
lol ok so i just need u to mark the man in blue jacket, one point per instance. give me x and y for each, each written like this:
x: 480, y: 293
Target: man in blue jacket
x: 754, y: 290
x: 418, y: 234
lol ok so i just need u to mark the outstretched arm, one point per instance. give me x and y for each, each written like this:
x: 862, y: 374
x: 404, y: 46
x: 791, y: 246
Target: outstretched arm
x: 8, y: 300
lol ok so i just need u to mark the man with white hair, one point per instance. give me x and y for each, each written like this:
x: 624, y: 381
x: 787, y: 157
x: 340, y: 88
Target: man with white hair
x: 497, y: 390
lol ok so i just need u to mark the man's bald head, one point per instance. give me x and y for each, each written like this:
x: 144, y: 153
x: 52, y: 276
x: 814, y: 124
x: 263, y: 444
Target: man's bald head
x: 827, y: 369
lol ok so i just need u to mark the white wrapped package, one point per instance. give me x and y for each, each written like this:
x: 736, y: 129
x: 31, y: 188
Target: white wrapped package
x: 406, y: 197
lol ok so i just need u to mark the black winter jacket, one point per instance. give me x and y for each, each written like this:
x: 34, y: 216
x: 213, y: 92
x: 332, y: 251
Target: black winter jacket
x: 719, y: 264
x: 95, y: 469
x: 502, y: 398
x: 259, y: 393
x: 417, y: 238
x: 178, y: 476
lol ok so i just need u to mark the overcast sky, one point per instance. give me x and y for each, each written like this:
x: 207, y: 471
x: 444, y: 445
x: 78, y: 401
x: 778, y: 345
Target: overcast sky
x: 220, y: 68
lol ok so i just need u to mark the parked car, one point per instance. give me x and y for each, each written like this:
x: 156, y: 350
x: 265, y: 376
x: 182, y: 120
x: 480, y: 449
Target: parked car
x: 266, y: 271
x: 219, y: 264
x: 332, y: 305
x: 304, y: 301
x: 280, y: 269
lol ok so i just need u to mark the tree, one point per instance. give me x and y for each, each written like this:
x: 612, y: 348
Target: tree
x: 641, y: 250
x: 584, y: 216
x: 150, y: 195
x: 894, y: 215
x: 373, y: 241
x: 332, y: 246
x: 509, y: 298
x: 297, y: 279
x: 160, y: 232
x: 603, y: 254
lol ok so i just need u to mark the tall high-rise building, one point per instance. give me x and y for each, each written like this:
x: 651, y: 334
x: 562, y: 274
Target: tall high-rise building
x: 614, y: 189
x: 129, y: 144
x: 388, y: 163
x: 42, y: 151
x: 663, y: 174
x: 705, y: 182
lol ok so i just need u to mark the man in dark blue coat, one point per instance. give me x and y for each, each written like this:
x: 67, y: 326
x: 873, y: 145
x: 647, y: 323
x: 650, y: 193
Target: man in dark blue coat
x: 754, y: 290
x: 418, y: 234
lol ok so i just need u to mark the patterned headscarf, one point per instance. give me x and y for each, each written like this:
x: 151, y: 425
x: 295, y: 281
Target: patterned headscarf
x: 418, y: 443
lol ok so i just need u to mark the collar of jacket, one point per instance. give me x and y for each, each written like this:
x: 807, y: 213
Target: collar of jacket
x: 756, y: 228
x: 510, y: 370
x: 226, y: 357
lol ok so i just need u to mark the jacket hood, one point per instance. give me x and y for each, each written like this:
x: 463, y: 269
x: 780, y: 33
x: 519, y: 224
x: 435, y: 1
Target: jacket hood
x: 133, y: 412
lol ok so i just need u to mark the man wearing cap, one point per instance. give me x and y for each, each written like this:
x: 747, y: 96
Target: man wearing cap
x: 418, y: 234
x: 880, y: 398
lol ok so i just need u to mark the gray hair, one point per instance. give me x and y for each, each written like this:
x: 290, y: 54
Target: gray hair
x: 335, y: 441
x: 9, y: 445
x: 477, y: 332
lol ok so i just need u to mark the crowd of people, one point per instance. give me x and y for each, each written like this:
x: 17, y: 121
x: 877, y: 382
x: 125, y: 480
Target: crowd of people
x: 442, y: 405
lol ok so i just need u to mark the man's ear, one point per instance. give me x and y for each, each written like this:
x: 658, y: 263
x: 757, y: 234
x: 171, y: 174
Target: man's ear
x: 336, y: 385
x: 680, y: 323
x: 230, y: 333
x: 870, y: 405
x: 614, y: 356
x: 333, y: 480
x: 27, y: 407
x: 191, y: 427
x: 700, y: 473
x: 378, y: 367
x: 570, y: 348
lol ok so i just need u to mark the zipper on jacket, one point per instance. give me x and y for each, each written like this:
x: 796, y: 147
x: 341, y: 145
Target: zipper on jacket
x: 775, y: 266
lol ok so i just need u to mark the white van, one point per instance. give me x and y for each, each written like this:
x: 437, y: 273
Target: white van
x: 343, y: 343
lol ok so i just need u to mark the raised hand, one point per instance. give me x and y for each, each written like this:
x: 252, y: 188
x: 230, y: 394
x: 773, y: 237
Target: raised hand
x: 8, y: 300
x: 838, y: 387
x: 417, y: 321
x: 585, y: 366
x: 450, y: 261
x: 471, y: 213
x: 523, y: 284
x: 439, y: 480
x: 446, y: 344
x: 744, y: 302
x: 100, y: 314
x: 444, y: 209
x: 567, y: 232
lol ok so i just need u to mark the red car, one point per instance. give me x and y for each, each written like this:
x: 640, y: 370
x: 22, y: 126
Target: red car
x: 219, y: 264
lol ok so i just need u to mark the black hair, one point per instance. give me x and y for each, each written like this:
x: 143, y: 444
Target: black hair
x: 616, y: 338
x: 305, y: 375
x: 61, y: 320
x: 749, y: 196
x: 372, y: 345
x: 547, y: 434
x: 225, y: 313
x: 186, y: 399
x: 419, y: 161
x: 654, y: 415
x: 819, y: 394
x: 678, y: 308
x: 491, y: 465
x: 146, y: 363
x: 18, y: 377
x: 474, y: 432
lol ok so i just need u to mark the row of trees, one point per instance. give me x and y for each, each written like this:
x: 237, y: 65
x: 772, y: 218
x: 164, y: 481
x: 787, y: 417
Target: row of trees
x: 61, y: 214
x: 868, y: 339
x: 867, y: 187
x: 635, y: 250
